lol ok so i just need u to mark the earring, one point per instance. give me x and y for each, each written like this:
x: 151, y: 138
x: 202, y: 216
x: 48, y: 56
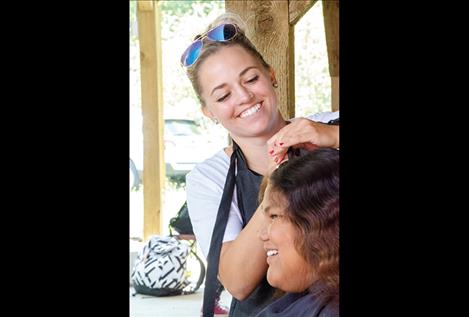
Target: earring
x: 275, y: 84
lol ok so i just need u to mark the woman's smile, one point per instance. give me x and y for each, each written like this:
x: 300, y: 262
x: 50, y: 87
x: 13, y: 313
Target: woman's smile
x: 250, y: 111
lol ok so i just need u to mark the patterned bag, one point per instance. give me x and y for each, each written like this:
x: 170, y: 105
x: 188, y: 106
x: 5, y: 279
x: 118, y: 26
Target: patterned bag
x: 160, y: 267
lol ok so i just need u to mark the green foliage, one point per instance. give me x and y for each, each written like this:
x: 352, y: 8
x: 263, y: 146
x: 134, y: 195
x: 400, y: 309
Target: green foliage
x: 176, y: 182
x: 132, y: 11
x: 312, y: 80
x: 133, y: 35
x: 177, y: 8
x: 181, y: 8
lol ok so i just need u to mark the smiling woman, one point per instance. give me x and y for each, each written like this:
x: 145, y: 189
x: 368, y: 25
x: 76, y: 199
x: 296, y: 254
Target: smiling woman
x: 245, y: 108
x: 301, y: 235
x: 288, y: 269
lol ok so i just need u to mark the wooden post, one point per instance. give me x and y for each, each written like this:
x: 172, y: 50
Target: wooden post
x: 331, y: 26
x: 269, y: 30
x: 148, y: 17
x: 298, y: 8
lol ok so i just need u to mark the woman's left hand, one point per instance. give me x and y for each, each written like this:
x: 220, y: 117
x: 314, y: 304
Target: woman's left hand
x: 302, y: 133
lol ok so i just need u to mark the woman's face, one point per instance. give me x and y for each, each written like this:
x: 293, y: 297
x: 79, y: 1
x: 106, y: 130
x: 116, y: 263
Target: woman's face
x: 238, y: 92
x: 288, y: 269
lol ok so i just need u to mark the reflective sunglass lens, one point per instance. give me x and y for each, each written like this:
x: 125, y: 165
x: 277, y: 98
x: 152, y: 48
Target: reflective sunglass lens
x: 191, y: 54
x: 224, y: 32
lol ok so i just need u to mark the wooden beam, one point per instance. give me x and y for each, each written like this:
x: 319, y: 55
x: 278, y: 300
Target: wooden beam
x: 269, y: 30
x: 331, y: 26
x: 145, y: 5
x: 148, y: 17
x: 289, y: 112
x: 335, y: 93
x: 298, y: 8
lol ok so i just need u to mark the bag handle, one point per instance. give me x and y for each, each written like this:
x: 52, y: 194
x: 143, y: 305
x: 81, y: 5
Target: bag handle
x: 201, y: 275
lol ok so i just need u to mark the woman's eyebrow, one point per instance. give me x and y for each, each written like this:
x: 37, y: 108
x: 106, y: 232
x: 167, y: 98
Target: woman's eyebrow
x: 240, y: 74
x: 245, y: 70
x: 217, y: 87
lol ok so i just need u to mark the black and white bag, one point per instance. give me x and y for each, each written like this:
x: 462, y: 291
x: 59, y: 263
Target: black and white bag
x: 160, y: 268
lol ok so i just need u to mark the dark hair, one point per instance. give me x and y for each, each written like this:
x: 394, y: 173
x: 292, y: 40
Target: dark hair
x: 211, y: 47
x: 310, y: 187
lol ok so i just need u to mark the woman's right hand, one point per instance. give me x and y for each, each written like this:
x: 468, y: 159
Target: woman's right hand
x: 302, y: 133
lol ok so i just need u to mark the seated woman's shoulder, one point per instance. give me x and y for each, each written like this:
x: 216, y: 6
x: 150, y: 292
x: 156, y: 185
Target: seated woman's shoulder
x: 331, y: 309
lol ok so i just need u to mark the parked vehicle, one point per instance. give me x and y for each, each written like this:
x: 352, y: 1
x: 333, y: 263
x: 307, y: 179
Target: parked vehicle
x: 184, y: 146
x: 134, y: 177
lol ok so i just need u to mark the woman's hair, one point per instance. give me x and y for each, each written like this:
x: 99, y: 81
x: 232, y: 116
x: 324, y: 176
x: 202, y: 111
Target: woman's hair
x: 211, y: 47
x: 310, y: 187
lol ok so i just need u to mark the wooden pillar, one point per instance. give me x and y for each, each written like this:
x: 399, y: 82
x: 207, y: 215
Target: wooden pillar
x: 298, y: 8
x: 148, y: 15
x: 269, y: 30
x: 331, y: 26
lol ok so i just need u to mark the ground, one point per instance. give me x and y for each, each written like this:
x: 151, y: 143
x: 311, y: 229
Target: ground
x: 172, y: 306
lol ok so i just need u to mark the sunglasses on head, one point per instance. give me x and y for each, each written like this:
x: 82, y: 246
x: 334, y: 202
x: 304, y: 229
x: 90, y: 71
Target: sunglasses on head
x: 221, y: 33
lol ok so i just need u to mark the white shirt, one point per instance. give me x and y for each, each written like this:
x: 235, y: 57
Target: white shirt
x: 204, y: 188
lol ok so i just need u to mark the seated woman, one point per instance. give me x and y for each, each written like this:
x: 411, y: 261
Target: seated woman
x: 301, y: 237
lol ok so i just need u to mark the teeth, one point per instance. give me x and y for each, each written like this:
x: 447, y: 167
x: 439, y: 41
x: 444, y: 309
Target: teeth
x: 250, y: 111
x: 272, y: 252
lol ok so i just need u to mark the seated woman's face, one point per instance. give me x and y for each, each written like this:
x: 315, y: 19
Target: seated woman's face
x: 288, y: 270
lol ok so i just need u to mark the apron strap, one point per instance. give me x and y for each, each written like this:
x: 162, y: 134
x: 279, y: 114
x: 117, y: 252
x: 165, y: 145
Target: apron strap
x: 213, y: 259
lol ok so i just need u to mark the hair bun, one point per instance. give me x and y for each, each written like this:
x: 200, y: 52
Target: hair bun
x: 229, y: 17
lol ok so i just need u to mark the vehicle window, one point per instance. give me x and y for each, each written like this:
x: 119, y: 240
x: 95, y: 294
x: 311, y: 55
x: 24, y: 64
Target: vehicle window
x: 182, y: 128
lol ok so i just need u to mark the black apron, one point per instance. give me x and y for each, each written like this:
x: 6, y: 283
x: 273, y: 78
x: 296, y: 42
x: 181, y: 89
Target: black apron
x: 247, y: 188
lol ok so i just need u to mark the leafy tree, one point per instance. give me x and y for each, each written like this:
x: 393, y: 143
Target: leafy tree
x: 312, y: 80
x: 133, y: 22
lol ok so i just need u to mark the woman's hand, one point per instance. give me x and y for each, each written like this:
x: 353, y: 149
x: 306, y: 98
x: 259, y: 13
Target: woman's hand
x: 302, y: 133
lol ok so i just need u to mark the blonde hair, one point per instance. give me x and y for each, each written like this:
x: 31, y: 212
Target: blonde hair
x: 211, y: 47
